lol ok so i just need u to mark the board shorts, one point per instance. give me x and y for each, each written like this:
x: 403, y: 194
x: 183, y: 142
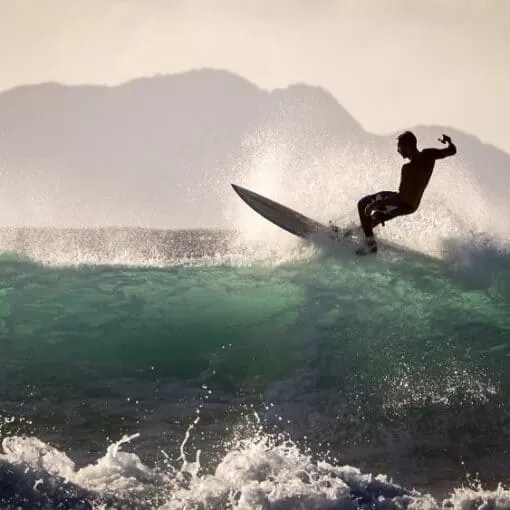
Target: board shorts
x: 387, y: 212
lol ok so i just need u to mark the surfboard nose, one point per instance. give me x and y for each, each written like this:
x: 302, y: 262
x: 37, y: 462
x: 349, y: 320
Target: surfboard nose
x: 242, y: 192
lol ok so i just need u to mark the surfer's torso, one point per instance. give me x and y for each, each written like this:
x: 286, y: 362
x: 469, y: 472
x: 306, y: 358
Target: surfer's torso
x: 415, y: 177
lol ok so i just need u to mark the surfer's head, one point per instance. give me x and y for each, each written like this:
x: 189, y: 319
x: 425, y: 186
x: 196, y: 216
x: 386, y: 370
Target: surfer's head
x: 407, y: 144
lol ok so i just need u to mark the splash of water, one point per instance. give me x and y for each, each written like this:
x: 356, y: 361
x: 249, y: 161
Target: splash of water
x: 259, y: 471
x: 325, y: 184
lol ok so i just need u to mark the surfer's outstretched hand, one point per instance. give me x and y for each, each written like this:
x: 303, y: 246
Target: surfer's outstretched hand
x: 445, y: 139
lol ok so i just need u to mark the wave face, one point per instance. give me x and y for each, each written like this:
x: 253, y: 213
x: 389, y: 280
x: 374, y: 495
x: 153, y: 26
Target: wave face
x: 156, y: 369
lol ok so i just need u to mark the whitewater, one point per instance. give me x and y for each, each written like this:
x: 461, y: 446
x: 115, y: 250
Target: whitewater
x: 248, y: 369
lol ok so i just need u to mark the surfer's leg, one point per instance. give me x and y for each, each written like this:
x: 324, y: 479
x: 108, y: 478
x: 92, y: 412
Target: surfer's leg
x: 369, y: 221
x: 365, y: 219
x: 367, y: 224
x: 392, y: 208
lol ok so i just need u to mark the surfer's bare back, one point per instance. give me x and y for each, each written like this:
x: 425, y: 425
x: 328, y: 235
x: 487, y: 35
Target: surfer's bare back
x: 386, y: 205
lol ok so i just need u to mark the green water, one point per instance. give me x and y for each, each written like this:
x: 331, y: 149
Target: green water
x: 345, y: 350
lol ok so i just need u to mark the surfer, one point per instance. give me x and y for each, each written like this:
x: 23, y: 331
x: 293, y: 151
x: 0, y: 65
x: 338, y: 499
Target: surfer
x: 385, y: 205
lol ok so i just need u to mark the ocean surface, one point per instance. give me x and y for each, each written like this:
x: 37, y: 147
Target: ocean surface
x: 194, y: 370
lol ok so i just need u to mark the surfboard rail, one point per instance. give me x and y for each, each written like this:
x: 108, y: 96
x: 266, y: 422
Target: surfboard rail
x: 280, y: 215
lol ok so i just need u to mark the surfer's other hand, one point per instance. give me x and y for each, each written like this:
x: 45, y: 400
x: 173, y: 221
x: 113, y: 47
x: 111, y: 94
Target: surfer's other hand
x: 445, y: 139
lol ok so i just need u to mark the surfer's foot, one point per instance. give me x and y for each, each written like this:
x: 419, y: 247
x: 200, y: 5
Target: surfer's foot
x: 370, y: 247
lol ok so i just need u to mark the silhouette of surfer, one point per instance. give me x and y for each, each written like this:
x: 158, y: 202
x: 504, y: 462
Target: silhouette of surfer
x: 385, y: 205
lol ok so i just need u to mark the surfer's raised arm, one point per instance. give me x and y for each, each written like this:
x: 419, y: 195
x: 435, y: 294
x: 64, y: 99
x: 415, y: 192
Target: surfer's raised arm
x: 449, y: 150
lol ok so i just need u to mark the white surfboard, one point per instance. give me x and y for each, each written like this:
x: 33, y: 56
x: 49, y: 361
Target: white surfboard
x: 280, y: 215
x: 296, y: 223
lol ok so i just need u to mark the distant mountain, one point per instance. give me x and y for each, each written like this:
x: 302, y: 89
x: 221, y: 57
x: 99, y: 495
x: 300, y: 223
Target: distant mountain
x: 162, y: 151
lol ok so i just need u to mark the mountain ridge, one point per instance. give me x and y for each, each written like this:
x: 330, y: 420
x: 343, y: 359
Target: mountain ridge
x: 160, y: 151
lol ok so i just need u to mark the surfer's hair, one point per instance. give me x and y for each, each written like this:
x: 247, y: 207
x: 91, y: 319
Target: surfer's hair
x: 408, y: 139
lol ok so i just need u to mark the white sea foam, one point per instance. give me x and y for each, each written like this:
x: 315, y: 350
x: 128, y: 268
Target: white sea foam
x: 257, y: 472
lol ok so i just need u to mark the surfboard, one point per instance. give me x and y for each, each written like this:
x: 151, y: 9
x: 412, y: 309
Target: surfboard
x: 300, y: 225
x: 282, y: 216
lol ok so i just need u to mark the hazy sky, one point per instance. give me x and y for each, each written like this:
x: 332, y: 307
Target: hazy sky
x: 391, y: 63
